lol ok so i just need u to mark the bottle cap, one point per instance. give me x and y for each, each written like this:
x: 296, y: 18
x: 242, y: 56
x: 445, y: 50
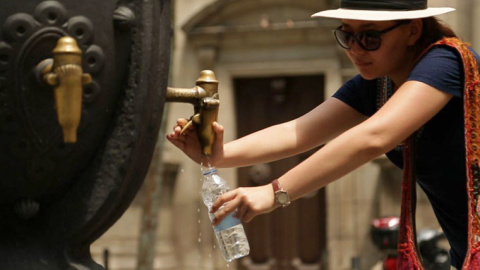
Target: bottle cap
x: 210, y: 171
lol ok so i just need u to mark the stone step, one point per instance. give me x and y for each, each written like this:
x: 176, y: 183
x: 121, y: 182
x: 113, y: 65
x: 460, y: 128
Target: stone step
x: 123, y: 254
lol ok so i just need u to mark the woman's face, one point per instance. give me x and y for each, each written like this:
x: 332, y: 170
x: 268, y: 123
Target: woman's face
x: 392, y: 56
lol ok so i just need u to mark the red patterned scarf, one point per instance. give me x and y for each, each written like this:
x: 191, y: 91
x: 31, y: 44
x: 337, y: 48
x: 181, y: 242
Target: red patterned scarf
x: 408, y: 258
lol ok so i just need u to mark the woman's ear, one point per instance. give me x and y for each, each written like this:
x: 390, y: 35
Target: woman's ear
x: 414, y: 31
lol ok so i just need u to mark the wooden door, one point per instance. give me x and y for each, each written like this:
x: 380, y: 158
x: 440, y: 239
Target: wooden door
x: 292, y: 237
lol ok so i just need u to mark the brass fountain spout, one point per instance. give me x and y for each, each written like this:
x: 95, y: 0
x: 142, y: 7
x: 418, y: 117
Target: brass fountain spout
x: 64, y: 72
x: 205, y: 100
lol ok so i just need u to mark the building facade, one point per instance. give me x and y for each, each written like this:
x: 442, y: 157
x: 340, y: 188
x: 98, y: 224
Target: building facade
x: 266, y: 55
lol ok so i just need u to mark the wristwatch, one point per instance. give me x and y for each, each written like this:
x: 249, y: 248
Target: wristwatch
x: 281, y: 196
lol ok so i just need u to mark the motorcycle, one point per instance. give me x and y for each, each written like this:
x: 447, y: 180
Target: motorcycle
x: 384, y: 233
x: 434, y: 255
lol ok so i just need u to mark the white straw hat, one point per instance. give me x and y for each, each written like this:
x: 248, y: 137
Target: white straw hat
x: 383, y: 10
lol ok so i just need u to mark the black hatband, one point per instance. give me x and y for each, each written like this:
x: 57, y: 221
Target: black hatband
x: 393, y: 5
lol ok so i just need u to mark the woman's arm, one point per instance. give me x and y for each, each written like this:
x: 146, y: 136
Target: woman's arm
x: 410, y: 107
x: 315, y: 128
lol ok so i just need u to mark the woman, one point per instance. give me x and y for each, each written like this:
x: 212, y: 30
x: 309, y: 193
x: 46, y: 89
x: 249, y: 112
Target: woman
x: 424, y: 88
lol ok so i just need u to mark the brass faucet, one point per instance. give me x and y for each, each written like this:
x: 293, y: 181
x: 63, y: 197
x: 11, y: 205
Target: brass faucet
x: 205, y: 100
x: 64, y: 72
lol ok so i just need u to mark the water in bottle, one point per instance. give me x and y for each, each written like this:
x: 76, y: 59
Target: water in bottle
x: 230, y: 233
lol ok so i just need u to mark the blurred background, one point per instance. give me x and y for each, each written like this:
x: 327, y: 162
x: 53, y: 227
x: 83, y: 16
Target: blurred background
x: 274, y: 63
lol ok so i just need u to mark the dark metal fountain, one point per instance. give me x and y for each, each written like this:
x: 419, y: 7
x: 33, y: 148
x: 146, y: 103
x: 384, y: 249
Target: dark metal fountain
x: 82, y: 89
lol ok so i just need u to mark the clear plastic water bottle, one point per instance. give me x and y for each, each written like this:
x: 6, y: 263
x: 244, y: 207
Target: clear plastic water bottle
x: 230, y: 233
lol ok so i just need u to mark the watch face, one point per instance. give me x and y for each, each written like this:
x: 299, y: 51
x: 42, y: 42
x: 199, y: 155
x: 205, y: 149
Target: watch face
x: 282, y: 197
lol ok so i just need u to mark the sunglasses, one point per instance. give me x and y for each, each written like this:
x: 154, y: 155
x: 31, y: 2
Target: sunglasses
x: 369, y: 40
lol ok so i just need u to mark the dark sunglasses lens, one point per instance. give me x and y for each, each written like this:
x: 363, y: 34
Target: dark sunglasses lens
x: 344, y: 39
x: 370, y: 40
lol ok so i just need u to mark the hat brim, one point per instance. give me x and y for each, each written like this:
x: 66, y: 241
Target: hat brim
x: 381, y: 15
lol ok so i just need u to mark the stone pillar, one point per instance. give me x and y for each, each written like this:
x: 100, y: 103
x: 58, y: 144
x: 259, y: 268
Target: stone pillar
x: 475, y: 21
x: 464, y: 17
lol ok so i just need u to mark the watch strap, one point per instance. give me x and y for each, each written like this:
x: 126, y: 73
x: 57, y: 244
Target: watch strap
x: 279, y: 191
x: 276, y: 185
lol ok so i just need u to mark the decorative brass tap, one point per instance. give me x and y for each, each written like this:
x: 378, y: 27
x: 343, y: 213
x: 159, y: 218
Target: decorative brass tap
x: 65, y: 74
x: 205, y: 100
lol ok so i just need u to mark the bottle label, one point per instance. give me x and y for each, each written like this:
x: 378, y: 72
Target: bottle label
x: 228, y: 222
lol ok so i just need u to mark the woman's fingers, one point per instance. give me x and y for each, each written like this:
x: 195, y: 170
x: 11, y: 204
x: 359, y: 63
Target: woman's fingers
x: 226, y: 210
x: 248, y: 202
x: 249, y: 215
x: 178, y: 143
x: 222, y: 199
x: 230, y: 202
x: 218, y: 132
x: 178, y: 127
x: 177, y: 139
x: 177, y: 131
x: 188, y: 142
x: 182, y: 122
x: 218, y: 129
x: 241, y: 211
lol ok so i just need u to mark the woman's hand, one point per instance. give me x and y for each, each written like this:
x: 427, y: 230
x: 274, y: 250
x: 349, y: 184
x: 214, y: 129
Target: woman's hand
x: 249, y: 202
x: 189, y: 144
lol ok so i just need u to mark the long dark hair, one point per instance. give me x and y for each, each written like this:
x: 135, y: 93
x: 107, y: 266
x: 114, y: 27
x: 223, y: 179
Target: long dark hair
x: 433, y: 30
